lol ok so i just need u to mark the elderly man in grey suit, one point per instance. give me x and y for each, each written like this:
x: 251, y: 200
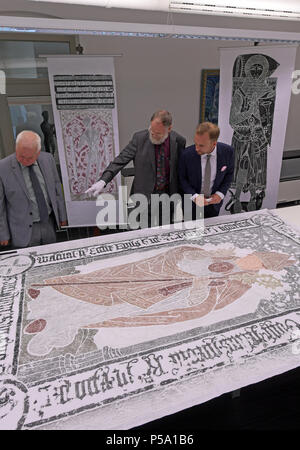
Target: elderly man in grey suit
x: 31, y: 198
x: 155, y: 153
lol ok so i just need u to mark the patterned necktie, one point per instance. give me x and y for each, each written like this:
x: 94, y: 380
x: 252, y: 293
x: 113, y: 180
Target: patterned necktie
x: 40, y: 199
x: 207, y: 176
x: 161, y: 169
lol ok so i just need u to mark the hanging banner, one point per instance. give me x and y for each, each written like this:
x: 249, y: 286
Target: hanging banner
x: 83, y: 92
x: 255, y: 90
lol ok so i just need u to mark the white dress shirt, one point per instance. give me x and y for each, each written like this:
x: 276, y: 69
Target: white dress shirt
x: 213, y: 165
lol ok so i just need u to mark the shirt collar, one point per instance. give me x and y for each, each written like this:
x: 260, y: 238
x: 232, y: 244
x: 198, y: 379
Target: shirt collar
x: 26, y: 167
x: 166, y: 140
x: 212, y: 154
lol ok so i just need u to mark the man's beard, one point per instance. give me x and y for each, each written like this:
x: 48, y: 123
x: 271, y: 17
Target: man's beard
x: 158, y: 141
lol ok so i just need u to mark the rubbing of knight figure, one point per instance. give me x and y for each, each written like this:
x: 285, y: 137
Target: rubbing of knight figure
x: 48, y: 130
x: 251, y: 117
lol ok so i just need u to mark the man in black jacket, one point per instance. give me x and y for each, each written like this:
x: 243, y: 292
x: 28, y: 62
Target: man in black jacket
x: 155, y: 153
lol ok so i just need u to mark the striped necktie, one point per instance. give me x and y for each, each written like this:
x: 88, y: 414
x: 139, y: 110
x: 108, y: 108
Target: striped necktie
x: 40, y: 199
x: 207, y: 176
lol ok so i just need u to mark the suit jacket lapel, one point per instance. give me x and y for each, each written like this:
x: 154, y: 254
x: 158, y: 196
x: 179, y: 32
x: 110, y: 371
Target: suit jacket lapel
x: 150, y: 153
x: 17, y: 171
x: 173, y: 153
x: 220, y: 163
x: 42, y: 168
x: 198, y: 169
x: 45, y: 173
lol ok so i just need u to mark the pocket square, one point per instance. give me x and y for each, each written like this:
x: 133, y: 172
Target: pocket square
x: 223, y: 168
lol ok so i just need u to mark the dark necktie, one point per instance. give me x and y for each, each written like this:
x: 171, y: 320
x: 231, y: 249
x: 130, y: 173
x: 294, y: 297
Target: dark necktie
x: 40, y: 199
x: 161, y: 180
x: 207, y: 176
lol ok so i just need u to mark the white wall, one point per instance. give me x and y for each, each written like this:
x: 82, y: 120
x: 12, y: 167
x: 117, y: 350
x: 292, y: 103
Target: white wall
x: 292, y: 137
x: 158, y: 73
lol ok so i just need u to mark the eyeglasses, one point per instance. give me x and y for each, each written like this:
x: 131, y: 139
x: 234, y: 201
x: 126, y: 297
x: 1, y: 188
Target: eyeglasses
x: 157, y: 135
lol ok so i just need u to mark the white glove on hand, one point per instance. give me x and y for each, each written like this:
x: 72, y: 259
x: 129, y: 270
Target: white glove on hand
x: 96, y: 188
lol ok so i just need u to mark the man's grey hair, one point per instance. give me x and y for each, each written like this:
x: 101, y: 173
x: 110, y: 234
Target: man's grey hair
x: 164, y: 116
x: 35, y: 136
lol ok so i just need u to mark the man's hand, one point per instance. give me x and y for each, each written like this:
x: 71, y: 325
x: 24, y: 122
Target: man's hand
x: 199, y: 200
x: 96, y: 188
x: 215, y: 199
x: 64, y: 223
x: 4, y: 243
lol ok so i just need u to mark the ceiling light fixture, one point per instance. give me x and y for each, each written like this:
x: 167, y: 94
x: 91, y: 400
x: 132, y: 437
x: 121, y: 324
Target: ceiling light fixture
x: 38, y: 25
x: 237, y: 9
x: 264, y: 9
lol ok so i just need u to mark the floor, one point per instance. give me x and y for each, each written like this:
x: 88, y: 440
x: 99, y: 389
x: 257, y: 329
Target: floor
x: 273, y: 404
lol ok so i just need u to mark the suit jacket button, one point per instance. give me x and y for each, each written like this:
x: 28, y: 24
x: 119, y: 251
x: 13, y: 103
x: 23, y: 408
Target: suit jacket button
x: 30, y: 226
x: 30, y: 213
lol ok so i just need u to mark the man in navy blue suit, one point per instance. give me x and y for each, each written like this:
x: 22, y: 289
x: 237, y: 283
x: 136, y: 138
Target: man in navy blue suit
x: 206, y: 168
